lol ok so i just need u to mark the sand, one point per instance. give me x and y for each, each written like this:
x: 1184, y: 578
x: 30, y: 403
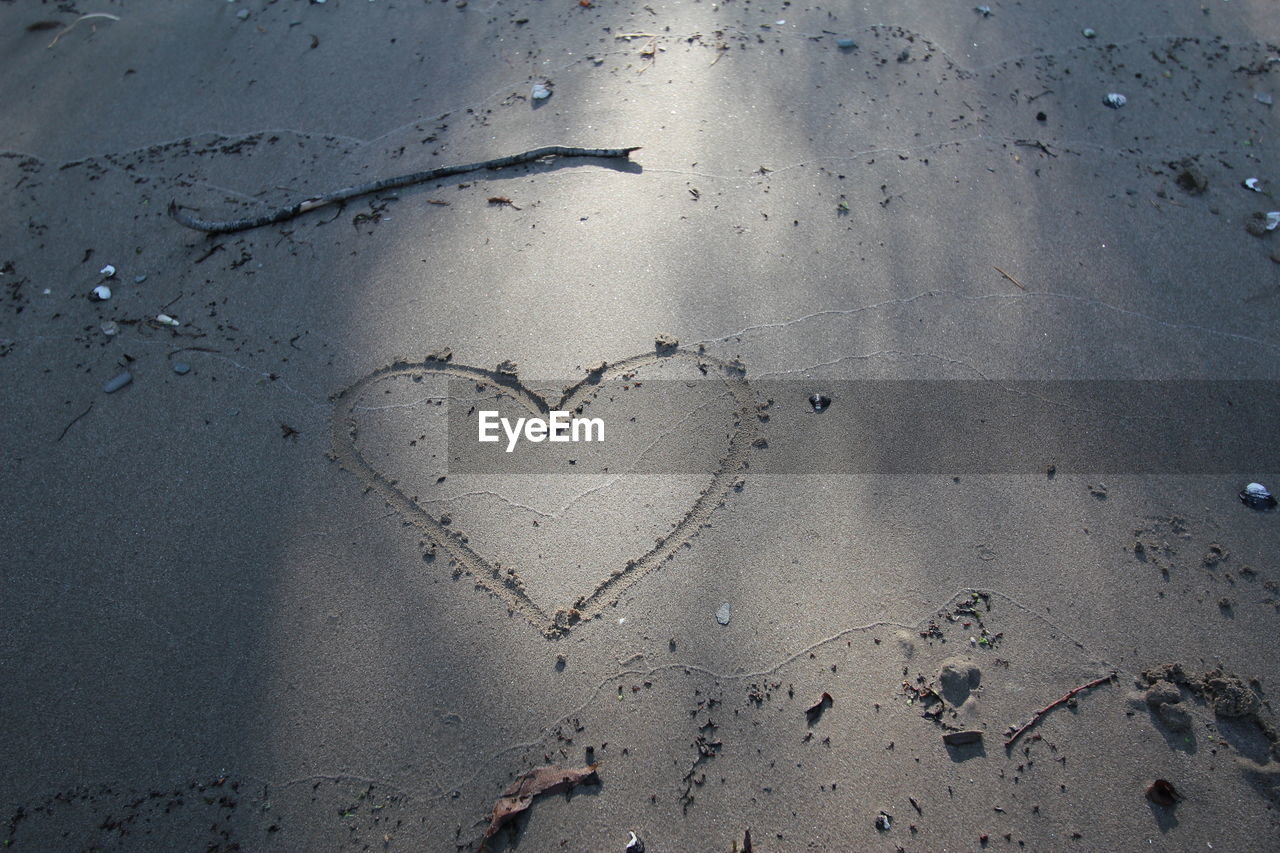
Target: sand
x: 242, y: 610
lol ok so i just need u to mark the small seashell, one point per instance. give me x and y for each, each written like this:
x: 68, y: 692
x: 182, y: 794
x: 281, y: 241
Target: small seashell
x: 1257, y: 496
x: 102, y: 293
x: 166, y: 320
x: 1253, y: 184
x: 540, y: 92
x: 108, y: 271
x: 1115, y: 100
x: 984, y: 11
x: 1089, y: 32
x: 1273, y: 220
x: 109, y: 328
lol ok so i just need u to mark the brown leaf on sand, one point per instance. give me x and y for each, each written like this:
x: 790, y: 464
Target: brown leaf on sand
x: 814, y: 712
x: 541, y: 780
x: 1162, y: 793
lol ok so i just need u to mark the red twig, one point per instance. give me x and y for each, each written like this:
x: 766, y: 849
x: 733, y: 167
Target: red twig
x: 1035, y: 718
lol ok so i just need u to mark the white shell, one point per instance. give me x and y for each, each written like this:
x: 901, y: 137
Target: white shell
x: 1257, y: 490
x: 167, y: 320
x: 108, y: 271
x: 1115, y: 100
x: 1273, y: 220
x: 1253, y: 184
x: 540, y: 92
x: 102, y: 292
x: 109, y: 328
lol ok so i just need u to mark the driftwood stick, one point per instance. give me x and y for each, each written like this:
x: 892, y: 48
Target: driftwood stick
x: 292, y: 210
x: 1035, y: 718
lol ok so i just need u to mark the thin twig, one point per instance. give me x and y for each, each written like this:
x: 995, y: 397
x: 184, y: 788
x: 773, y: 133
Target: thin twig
x: 73, y: 422
x: 1011, y: 278
x: 72, y: 25
x: 292, y: 210
x: 1017, y: 733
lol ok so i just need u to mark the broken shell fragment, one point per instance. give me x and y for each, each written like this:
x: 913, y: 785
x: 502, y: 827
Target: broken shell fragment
x: 962, y: 738
x: 634, y: 844
x: 166, y: 320
x: 884, y: 821
x: 540, y: 92
x: 101, y: 293
x: 108, y: 271
x: 1253, y: 184
x: 109, y: 328
x: 1115, y: 100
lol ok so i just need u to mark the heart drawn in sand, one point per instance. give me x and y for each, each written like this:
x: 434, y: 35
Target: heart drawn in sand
x: 504, y: 582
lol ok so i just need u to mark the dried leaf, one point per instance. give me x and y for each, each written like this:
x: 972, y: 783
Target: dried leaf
x: 1162, y: 793
x: 541, y: 780
x: 814, y: 712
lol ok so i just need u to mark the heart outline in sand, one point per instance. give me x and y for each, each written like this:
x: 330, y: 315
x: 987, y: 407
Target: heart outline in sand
x: 506, y: 584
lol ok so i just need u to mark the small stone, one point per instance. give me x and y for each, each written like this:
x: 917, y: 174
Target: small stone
x: 1089, y: 32
x: 665, y: 343
x: 846, y: 43
x: 139, y: 279
x: 109, y: 328
x: 181, y: 368
x: 1115, y: 100
x: 724, y: 613
x: 540, y: 92
x: 1264, y: 98
x: 113, y: 385
x: 243, y: 14
x: 820, y: 402
x: 984, y: 11
x: 508, y: 367
x: 884, y: 821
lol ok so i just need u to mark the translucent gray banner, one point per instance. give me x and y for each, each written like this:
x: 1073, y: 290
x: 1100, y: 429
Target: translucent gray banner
x: 865, y: 427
